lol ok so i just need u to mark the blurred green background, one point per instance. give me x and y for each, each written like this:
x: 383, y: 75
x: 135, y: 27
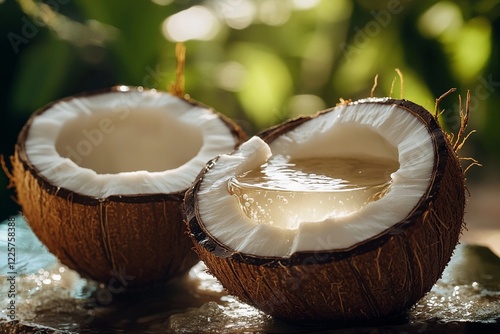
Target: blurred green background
x: 257, y: 61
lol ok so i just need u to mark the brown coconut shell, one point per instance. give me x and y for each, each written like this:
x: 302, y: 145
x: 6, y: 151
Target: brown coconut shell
x: 379, y: 277
x: 135, y: 239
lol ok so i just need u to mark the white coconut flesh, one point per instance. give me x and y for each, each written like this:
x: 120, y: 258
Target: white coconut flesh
x: 125, y: 142
x: 300, y: 217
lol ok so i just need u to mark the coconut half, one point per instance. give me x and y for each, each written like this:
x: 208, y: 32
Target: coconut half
x: 305, y: 249
x: 101, y: 177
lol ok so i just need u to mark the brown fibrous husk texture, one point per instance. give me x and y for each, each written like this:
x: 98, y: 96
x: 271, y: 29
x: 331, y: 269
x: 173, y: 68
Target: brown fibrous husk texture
x: 380, y: 279
x: 136, y: 243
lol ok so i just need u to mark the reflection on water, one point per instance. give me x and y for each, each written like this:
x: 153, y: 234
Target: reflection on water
x: 52, y: 295
x: 469, y: 289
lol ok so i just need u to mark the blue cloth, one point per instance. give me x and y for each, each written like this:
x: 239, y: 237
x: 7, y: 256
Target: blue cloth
x: 30, y: 253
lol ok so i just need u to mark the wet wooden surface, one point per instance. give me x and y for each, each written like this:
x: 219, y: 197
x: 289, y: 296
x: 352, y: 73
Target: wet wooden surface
x: 50, y: 298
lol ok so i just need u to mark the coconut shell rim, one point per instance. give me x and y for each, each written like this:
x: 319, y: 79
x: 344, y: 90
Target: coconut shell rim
x: 200, y: 235
x: 20, y: 150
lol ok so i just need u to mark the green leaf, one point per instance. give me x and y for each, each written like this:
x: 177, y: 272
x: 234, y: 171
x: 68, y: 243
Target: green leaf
x: 43, y: 71
x: 140, y: 42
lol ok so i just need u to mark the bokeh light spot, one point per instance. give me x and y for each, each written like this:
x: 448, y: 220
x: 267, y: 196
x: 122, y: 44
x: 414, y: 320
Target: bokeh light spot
x: 195, y: 23
x: 445, y: 16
